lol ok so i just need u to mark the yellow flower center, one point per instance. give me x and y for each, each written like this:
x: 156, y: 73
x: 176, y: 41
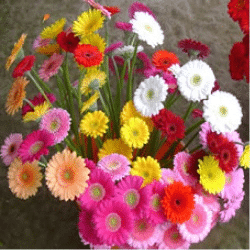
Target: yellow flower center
x: 148, y: 28
x: 150, y: 94
x: 68, y: 175
x: 196, y: 80
x: 195, y: 218
x: 54, y: 126
x: 223, y: 111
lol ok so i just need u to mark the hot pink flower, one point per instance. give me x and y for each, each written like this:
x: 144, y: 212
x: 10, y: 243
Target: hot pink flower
x: 124, y: 26
x: 140, y: 7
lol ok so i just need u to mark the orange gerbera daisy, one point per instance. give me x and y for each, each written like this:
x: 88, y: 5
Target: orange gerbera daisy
x: 49, y: 49
x: 162, y: 59
x: 17, y: 47
x: 66, y: 175
x: 24, y: 179
x: 16, y: 95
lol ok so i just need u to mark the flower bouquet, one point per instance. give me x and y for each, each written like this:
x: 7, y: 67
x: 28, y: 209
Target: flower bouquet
x: 142, y: 175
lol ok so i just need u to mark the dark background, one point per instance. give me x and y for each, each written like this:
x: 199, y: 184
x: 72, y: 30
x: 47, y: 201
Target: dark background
x: 45, y: 222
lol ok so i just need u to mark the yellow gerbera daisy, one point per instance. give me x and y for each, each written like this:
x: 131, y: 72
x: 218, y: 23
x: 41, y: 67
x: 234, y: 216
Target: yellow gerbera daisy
x: 117, y: 146
x: 16, y: 95
x: 88, y: 22
x: 94, y: 124
x: 90, y: 102
x: 129, y: 111
x: 53, y: 30
x: 212, y: 178
x: 148, y: 168
x: 135, y: 132
x: 49, y: 49
x: 95, y: 40
x: 92, y: 77
x: 16, y: 49
x: 39, y: 112
x: 245, y: 157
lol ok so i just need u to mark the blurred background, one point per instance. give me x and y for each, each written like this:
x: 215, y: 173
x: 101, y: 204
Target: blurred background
x: 45, y: 222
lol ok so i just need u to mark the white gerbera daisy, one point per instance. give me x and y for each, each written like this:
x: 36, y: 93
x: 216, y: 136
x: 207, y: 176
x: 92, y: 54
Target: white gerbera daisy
x: 223, y: 111
x: 149, y: 96
x: 175, y: 69
x: 195, y: 80
x: 127, y: 51
x: 147, y: 28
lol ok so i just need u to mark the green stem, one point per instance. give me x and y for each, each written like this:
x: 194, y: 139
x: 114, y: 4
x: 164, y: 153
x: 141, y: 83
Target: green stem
x: 171, y: 103
x: 42, y: 164
x: 61, y: 90
x: 188, y: 112
x: 194, y: 126
x: 105, y: 107
x: 196, y: 148
x: 31, y: 105
x: 99, y: 141
x: 190, y: 140
x: 43, y: 84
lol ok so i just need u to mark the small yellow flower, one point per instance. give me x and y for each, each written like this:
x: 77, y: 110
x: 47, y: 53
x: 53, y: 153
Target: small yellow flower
x: 53, y: 30
x: 245, y: 157
x: 39, y: 112
x: 91, y: 101
x: 95, y: 40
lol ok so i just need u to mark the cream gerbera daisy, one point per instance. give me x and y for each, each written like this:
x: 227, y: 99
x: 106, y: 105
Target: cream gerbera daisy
x: 95, y: 40
x: 135, y: 132
x: 90, y: 102
x: 147, y: 28
x: 195, y: 80
x: 53, y: 30
x: 223, y: 111
x: 94, y: 124
x: 149, y: 96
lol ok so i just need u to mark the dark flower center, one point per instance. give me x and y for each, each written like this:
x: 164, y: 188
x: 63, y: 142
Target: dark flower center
x: 177, y: 202
x: 12, y: 148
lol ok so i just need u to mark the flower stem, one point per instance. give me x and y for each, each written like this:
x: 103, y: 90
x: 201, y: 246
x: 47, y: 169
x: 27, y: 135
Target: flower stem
x: 194, y: 126
x: 189, y: 110
x: 43, y: 84
x: 190, y: 140
x: 31, y: 105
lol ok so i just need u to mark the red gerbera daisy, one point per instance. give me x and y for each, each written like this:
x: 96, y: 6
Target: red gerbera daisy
x: 88, y: 55
x: 112, y: 9
x: 170, y: 124
x: 178, y: 202
x: 214, y: 141
x: 25, y: 65
x: 67, y: 41
x: 192, y: 47
x: 162, y: 59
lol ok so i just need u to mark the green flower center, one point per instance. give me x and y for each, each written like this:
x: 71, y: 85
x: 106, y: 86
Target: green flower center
x: 175, y: 236
x: 132, y: 198
x: 36, y: 147
x: 54, y: 126
x: 155, y: 202
x: 97, y: 192
x: 150, y: 94
x: 142, y: 226
x: 113, y: 222
x: 68, y: 175
x: 25, y: 176
x: 94, y: 124
x: 114, y: 165
x: 145, y: 174
x: 135, y: 132
x: 196, y: 80
x: 148, y: 28
x: 223, y: 111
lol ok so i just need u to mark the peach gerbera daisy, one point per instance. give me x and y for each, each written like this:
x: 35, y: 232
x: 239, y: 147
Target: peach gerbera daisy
x: 66, y: 175
x: 24, y: 179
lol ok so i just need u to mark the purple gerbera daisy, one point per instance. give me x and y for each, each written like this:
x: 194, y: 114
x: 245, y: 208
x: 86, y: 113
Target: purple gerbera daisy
x: 9, y: 150
x: 35, y: 145
x: 100, y: 187
x: 57, y: 122
x: 114, y: 222
x: 116, y: 165
x: 51, y: 66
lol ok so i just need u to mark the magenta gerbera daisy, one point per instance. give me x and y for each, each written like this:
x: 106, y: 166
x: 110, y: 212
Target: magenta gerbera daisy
x: 129, y: 191
x: 100, y: 187
x: 50, y: 67
x: 113, y: 47
x: 57, y: 122
x: 124, y: 26
x: 199, y: 225
x: 116, y: 165
x: 114, y: 222
x: 35, y: 145
x: 9, y: 150
x: 90, y: 164
x: 137, y: 6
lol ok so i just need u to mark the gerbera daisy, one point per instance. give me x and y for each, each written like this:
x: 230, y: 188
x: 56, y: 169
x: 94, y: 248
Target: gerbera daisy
x: 127, y: 51
x: 116, y: 165
x: 88, y: 22
x: 114, y: 222
x: 245, y: 157
x: 112, y: 9
x: 90, y: 102
x: 90, y: 164
x: 223, y: 111
x: 139, y: 7
x: 100, y: 187
x: 94, y: 124
x: 53, y: 30
x: 9, y: 149
x: 171, y: 81
x: 49, y: 49
x: 148, y: 168
x: 178, y: 202
x: 135, y: 132
x: 149, y: 96
x: 199, y: 225
x: 88, y: 55
x: 147, y: 28
x: 16, y: 95
x: 130, y: 191
x: 170, y: 237
x: 112, y: 47
x: 212, y: 178
x: 124, y: 26
x: 24, y: 179
x: 192, y: 47
x: 39, y: 42
x: 111, y: 146
x: 94, y: 40
x: 57, y: 122
x: 195, y: 80
x: 66, y: 175
x: 16, y: 49
x: 98, y: 6
x: 35, y: 145
x: 235, y: 138
x: 168, y: 176
x: 175, y: 69
x: 163, y: 59
x: 25, y: 65
x: 67, y: 41
x: 50, y: 67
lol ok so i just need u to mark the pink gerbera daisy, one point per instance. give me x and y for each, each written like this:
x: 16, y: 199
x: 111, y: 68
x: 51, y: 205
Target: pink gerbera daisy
x: 57, y: 122
x: 199, y: 225
x: 9, y: 149
x: 137, y: 6
x: 168, y: 176
x: 39, y: 42
x: 114, y: 222
x: 170, y: 238
x: 113, y: 47
x: 50, y: 67
x: 116, y: 165
x: 144, y: 233
x: 124, y: 26
x: 129, y: 191
x: 35, y: 145
x: 171, y: 81
x: 100, y: 187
